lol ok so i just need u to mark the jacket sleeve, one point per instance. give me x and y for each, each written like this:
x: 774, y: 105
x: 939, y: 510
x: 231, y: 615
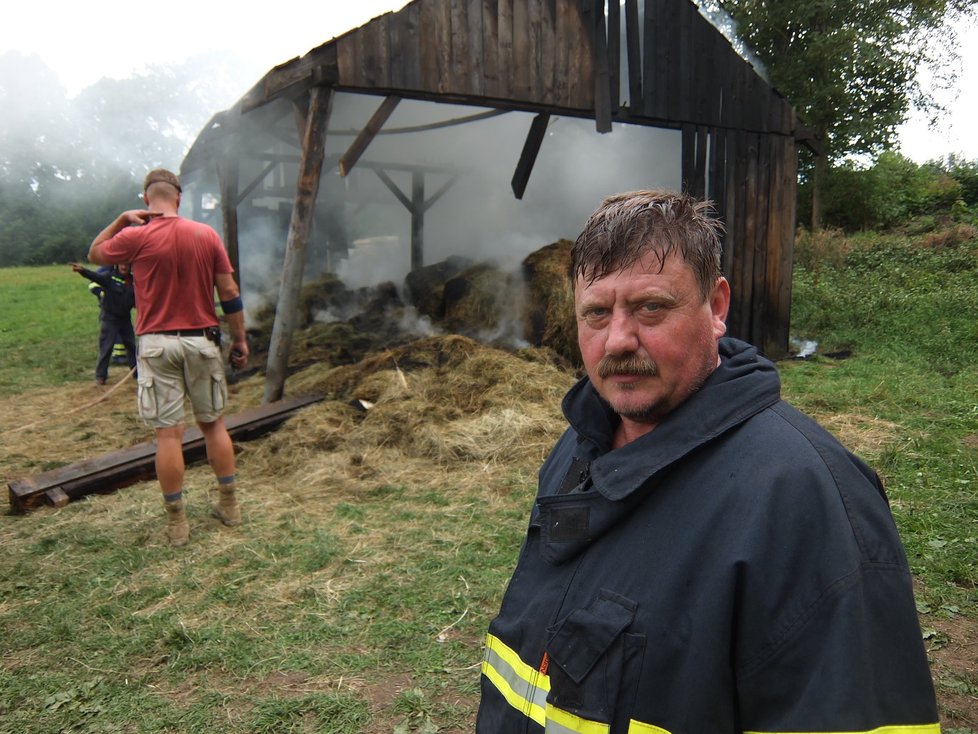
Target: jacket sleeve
x: 103, y: 279
x: 855, y: 662
x: 842, y: 647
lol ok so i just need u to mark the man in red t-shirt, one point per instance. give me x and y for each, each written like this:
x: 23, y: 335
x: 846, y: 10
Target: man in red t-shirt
x: 176, y: 265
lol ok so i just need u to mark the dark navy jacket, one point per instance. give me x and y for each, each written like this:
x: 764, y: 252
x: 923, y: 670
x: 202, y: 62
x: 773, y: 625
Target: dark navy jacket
x: 735, y: 569
x: 118, y: 299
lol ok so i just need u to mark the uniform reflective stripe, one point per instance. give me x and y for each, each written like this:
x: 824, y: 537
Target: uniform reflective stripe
x: 890, y: 729
x: 523, y: 687
x: 562, y: 722
x: 639, y: 727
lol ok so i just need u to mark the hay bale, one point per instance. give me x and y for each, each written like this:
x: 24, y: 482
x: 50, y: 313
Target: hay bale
x: 426, y: 285
x: 485, y: 303
x: 549, y: 309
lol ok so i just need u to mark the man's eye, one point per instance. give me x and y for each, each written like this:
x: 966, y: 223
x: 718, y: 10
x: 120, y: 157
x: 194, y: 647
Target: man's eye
x: 650, y: 307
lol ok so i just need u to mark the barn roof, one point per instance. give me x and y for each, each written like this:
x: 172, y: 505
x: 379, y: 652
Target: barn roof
x: 649, y: 63
x: 668, y: 66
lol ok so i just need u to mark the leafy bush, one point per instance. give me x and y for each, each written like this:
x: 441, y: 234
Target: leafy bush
x: 890, y: 192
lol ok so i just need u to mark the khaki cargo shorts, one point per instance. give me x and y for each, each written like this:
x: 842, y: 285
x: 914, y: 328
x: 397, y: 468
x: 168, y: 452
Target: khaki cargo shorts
x: 172, y: 368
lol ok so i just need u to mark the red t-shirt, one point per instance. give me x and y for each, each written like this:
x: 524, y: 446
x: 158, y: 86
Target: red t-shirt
x: 174, y: 263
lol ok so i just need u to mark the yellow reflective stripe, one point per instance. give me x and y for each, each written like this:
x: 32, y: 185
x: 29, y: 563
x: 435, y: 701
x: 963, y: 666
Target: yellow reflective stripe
x: 889, y: 729
x: 523, y: 687
x: 572, y: 723
x: 640, y: 727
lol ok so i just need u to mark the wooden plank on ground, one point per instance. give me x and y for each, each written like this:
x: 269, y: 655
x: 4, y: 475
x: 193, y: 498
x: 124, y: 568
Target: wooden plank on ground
x: 127, y: 466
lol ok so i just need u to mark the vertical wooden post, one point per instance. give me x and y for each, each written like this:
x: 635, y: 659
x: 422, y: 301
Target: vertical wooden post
x: 417, y: 220
x: 228, y: 174
x: 307, y: 187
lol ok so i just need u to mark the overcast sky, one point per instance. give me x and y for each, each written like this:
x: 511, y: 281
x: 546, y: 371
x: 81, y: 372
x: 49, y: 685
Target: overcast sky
x: 83, y: 42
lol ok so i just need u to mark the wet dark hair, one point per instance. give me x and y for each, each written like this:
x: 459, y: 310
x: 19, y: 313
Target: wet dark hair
x: 627, y: 226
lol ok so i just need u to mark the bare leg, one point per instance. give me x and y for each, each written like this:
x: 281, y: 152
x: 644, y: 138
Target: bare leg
x: 220, y: 455
x: 169, y: 458
x: 169, y: 471
x: 220, y: 449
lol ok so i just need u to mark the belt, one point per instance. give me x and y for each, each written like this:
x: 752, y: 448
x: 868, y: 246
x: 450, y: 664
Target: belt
x: 182, y: 332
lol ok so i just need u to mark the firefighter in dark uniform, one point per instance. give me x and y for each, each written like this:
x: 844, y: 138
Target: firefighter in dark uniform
x: 118, y: 349
x: 701, y: 557
x: 115, y: 315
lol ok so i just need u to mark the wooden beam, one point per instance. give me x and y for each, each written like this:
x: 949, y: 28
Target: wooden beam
x: 394, y: 189
x: 432, y: 200
x: 369, y: 132
x: 127, y: 466
x: 307, y: 188
x: 417, y: 221
x: 633, y: 43
x: 614, y: 54
x: 257, y: 181
x: 534, y: 139
x: 602, y: 74
x: 227, y: 171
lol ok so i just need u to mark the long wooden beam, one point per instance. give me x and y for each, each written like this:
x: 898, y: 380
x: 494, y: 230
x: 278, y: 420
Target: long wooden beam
x: 369, y: 132
x: 125, y: 467
x: 534, y: 139
x: 307, y: 188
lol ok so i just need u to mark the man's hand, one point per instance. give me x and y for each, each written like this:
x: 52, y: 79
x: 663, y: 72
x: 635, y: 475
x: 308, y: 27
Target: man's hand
x: 130, y: 218
x: 76, y: 267
x: 239, y: 354
x: 139, y: 217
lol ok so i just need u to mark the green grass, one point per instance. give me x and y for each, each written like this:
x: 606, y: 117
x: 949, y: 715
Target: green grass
x: 907, y: 314
x: 371, y: 617
x: 49, y: 329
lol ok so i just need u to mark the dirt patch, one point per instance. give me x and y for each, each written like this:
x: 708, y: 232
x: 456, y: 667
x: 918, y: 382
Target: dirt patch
x: 952, y: 646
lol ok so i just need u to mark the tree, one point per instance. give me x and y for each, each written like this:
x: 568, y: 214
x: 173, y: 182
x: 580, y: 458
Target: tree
x: 67, y: 166
x: 849, y: 67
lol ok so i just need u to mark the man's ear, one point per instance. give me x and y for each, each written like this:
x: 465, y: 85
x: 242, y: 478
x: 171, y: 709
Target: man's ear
x: 720, y: 305
x: 145, y: 199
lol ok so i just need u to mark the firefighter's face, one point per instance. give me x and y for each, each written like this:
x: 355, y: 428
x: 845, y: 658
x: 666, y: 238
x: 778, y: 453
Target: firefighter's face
x: 647, y: 336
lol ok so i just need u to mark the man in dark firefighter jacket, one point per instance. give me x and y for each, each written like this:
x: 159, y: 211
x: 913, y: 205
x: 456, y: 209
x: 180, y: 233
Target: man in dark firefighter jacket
x: 701, y: 557
x: 115, y: 315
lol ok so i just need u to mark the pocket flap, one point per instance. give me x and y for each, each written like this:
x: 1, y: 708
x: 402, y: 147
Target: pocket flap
x: 150, y: 352
x: 579, y: 641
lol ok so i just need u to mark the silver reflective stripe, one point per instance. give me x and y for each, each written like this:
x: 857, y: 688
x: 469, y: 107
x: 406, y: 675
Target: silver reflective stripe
x: 523, y: 687
x: 526, y: 689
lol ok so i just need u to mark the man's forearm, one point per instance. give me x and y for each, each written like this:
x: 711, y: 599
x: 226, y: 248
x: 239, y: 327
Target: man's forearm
x: 117, y: 225
x: 236, y: 325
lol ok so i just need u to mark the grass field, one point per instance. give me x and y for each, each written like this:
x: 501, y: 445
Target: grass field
x: 375, y: 550
x: 49, y: 331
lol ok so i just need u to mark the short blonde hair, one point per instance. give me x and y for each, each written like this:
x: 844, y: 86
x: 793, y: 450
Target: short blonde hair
x: 161, y: 175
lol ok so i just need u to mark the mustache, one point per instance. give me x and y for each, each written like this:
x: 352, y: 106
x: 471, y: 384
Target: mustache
x: 631, y: 364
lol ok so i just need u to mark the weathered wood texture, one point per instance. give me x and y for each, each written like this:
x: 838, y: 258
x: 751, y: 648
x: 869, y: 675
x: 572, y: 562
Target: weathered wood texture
x: 313, y: 122
x: 563, y: 57
x: 125, y: 467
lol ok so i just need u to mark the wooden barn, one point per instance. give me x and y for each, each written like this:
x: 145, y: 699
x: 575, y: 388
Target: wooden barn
x: 432, y: 101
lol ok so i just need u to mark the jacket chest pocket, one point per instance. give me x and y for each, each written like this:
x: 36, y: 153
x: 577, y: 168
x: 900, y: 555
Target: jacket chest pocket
x: 589, y: 652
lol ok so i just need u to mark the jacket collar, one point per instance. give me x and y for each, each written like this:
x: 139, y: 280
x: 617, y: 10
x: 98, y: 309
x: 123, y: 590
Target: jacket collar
x: 744, y: 384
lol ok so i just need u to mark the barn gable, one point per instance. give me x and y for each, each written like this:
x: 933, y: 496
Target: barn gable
x: 646, y: 63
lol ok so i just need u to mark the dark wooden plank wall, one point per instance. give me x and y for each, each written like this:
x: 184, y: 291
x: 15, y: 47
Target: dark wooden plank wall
x: 691, y: 74
x: 531, y: 51
x: 738, y: 146
x: 751, y: 178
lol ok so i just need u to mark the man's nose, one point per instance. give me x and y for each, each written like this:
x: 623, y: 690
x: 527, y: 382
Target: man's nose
x: 622, y: 334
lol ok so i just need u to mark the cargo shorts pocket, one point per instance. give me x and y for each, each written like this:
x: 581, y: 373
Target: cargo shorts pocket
x: 146, y: 397
x: 219, y: 392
